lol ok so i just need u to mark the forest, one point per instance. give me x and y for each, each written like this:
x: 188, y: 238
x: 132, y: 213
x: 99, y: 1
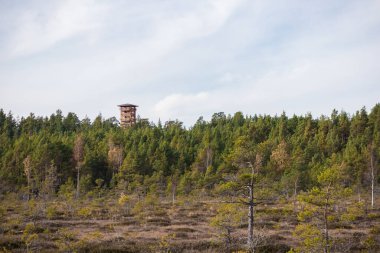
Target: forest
x: 236, y: 183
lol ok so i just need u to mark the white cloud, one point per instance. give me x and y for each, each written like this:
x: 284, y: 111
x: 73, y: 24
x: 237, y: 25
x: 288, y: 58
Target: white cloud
x: 45, y: 25
x: 169, y: 33
x: 177, y: 106
x: 186, y: 59
x: 304, y: 85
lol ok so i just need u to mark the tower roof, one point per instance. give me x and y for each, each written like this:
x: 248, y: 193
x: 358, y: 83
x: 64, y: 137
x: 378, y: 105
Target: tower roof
x: 128, y: 105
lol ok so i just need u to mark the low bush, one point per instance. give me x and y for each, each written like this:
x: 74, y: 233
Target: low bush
x: 84, y: 212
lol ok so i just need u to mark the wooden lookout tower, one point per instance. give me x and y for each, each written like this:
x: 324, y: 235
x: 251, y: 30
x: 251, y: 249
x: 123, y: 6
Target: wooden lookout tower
x: 127, y: 115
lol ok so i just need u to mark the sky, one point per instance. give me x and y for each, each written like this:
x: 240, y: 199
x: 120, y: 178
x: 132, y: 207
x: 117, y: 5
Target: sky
x: 186, y: 59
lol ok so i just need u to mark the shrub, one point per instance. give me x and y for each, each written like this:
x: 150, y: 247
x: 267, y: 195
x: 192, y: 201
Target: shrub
x: 84, y: 212
x: 51, y: 212
x: 67, y: 190
x: 375, y: 231
x: 374, y: 216
x: 370, y: 243
x: 310, y: 238
x: 29, y: 235
x: 227, y: 219
x: 165, y: 244
x: 354, y: 212
x: 66, y: 241
x: 149, y: 203
x: 2, y: 212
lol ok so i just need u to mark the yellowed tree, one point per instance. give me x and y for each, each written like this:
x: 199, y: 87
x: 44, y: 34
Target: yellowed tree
x: 78, y: 155
x: 115, y: 157
x: 280, y: 156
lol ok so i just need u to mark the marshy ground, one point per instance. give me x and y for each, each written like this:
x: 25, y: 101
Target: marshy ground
x: 158, y: 225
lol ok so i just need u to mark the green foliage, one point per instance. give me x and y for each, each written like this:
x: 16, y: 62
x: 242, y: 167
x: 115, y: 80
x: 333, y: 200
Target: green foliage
x: 145, y: 206
x: 125, y: 203
x: 227, y: 219
x: 227, y: 187
x: 310, y: 238
x: 29, y: 236
x: 370, y: 243
x: 291, y: 154
x: 84, y: 212
x: 375, y: 230
x: 2, y: 212
x: 165, y: 243
x: 306, y: 214
x: 67, y: 240
x: 319, y: 203
x: 99, y: 182
x: 67, y: 190
x: 51, y: 211
x: 123, y: 199
x: 228, y: 215
x: 373, y: 216
x: 86, y: 183
x: 354, y: 212
x: 246, y: 178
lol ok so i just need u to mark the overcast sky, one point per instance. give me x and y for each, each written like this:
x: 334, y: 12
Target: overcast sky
x: 185, y: 59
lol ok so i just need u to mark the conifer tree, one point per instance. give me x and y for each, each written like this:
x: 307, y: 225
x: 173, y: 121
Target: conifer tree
x: 320, y: 201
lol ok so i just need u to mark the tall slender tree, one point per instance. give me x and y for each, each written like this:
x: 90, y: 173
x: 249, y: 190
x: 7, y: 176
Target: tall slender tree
x: 78, y: 155
x: 28, y: 172
x: 372, y: 168
x: 248, y: 163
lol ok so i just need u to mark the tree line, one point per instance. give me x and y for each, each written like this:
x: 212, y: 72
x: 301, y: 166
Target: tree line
x: 155, y: 157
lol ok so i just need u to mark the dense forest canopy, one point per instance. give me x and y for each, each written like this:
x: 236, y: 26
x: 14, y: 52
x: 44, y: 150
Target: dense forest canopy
x: 150, y: 158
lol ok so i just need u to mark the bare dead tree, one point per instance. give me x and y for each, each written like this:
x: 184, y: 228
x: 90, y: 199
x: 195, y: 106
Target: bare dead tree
x: 78, y: 155
x: 174, y: 182
x: 372, y: 165
x: 295, y: 193
x: 209, y: 155
x: 251, y: 203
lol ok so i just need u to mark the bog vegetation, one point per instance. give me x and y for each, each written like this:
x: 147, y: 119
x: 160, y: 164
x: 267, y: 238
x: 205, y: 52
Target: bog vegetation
x: 232, y: 184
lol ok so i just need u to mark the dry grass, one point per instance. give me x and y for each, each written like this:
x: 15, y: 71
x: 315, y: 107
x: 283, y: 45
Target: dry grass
x: 184, y: 227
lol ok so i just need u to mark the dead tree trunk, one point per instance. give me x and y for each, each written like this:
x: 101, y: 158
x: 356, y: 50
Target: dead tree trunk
x: 28, y: 171
x: 78, y: 155
x: 326, y: 246
x: 208, y: 157
x: 228, y: 238
x: 251, y: 204
x: 372, y: 178
x: 78, y: 182
x: 325, y: 217
x: 250, y: 241
x: 174, y: 189
x: 295, y: 194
